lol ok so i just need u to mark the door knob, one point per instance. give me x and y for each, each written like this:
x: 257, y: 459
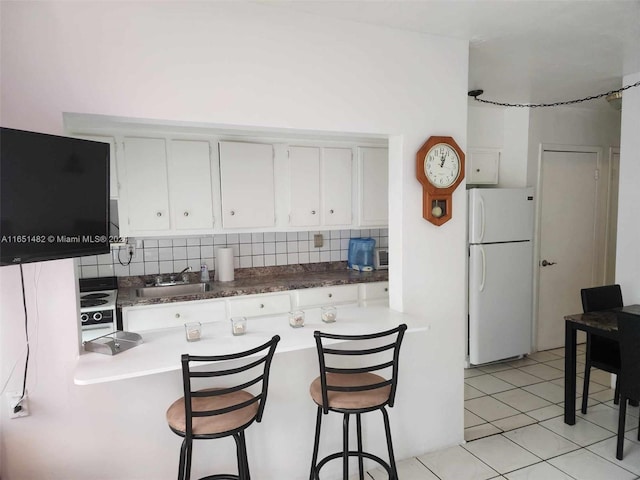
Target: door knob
x: 545, y: 263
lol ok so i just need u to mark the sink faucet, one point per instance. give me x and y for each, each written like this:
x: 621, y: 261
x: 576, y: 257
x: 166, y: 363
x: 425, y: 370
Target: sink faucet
x: 160, y: 282
x: 182, y: 274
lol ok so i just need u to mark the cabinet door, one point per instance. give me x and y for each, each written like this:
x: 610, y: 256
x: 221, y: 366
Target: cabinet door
x: 138, y: 319
x: 259, y: 305
x: 483, y: 165
x: 336, y: 186
x: 305, y: 186
x: 376, y: 293
x: 145, y: 179
x: 190, y: 185
x: 247, y: 185
x: 374, y: 186
x: 335, y: 295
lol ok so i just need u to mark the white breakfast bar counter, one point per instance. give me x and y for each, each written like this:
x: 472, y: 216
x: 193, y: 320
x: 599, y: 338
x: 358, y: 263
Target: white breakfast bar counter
x: 280, y: 446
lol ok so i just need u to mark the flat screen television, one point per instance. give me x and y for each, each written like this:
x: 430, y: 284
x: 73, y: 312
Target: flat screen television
x: 54, y: 197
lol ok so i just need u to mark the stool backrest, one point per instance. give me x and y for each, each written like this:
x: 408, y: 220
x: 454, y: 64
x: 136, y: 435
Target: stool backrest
x: 370, y: 359
x: 601, y: 298
x: 629, y: 338
x: 256, y: 361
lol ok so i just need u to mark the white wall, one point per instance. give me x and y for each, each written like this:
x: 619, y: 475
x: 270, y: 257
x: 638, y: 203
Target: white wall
x: 571, y: 126
x: 628, y: 254
x: 233, y: 64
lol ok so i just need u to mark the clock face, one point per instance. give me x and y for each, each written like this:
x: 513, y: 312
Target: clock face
x: 442, y: 165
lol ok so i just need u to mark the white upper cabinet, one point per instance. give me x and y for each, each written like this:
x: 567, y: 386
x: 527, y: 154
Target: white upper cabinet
x: 247, y: 185
x: 190, y: 185
x: 304, y: 181
x: 167, y: 187
x: 482, y: 166
x: 172, y: 181
x: 373, y: 171
x: 144, y: 176
x: 336, y: 181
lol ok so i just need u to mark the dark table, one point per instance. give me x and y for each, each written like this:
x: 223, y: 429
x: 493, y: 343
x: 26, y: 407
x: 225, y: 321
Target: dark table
x: 603, y: 323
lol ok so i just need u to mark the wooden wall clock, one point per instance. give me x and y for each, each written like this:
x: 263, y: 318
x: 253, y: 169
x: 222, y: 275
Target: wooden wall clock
x: 440, y: 169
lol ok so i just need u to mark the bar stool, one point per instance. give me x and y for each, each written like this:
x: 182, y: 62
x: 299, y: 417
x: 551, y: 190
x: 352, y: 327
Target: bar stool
x: 355, y: 390
x: 221, y: 412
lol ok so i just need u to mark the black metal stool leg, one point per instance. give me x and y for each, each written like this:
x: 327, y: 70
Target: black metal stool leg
x: 187, y: 468
x: 245, y: 457
x: 316, y: 443
x: 387, y: 429
x: 360, y: 458
x: 345, y: 447
x: 239, y: 457
x: 183, y: 455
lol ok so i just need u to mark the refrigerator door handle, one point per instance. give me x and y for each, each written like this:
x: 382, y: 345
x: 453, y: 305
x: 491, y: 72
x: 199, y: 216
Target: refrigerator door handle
x: 484, y: 269
x: 481, y: 205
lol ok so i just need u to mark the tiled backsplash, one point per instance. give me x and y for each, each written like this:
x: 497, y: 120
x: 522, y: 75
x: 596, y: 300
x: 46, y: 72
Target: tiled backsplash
x: 170, y: 255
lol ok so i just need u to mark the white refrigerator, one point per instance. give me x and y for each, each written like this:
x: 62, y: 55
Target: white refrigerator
x: 500, y: 273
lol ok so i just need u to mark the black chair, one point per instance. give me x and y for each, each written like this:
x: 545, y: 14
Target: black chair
x: 629, y: 376
x: 221, y: 412
x: 602, y: 353
x: 355, y: 390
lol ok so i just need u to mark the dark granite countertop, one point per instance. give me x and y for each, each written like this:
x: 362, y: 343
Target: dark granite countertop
x: 605, y: 320
x: 250, y: 281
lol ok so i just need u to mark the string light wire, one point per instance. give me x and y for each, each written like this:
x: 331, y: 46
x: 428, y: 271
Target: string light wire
x: 476, y: 93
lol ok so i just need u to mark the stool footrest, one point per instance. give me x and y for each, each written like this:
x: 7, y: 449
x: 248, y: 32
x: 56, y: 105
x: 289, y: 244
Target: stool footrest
x: 354, y: 453
x: 221, y: 476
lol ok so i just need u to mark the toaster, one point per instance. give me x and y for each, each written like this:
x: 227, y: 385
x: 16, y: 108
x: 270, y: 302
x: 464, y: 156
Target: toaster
x: 381, y: 259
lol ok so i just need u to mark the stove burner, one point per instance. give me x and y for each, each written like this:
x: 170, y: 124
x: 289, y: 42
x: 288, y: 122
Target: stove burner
x: 84, y: 303
x: 89, y: 296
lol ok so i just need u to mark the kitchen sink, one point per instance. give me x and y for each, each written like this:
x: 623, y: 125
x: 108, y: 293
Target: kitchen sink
x: 173, y: 290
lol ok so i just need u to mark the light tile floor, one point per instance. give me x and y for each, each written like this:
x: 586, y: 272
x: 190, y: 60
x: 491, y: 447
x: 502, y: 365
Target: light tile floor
x: 514, y: 428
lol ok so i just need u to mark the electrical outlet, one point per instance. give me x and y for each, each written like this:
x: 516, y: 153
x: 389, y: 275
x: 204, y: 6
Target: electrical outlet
x: 131, y: 250
x: 318, y: 240
x: 13, y: 399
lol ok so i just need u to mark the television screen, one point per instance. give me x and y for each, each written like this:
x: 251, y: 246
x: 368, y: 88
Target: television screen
x: 54, y: 197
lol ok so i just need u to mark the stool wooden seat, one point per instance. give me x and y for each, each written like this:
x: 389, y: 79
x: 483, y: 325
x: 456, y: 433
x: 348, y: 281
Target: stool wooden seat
x: 354, y: 390
x: 219, y: 412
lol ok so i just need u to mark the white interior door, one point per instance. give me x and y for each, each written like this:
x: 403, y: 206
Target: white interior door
x: 568, y: 226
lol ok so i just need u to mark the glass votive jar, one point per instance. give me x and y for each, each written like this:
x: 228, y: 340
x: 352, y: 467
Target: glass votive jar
x: 328, y: 314
x: 296, y: 318
x: 193, y: 331
x: 238, y: 325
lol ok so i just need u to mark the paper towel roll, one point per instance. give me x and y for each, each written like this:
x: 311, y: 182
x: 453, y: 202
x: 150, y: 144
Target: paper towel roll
x: 224, y: 264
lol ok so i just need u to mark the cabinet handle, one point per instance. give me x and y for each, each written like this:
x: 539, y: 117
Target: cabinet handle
x: 330, y: 295
x: 386, y: 289
x: 159, y: 214
x: 177, y: 315
x: 313, y: 212
x: 232, y: 212
x: 186, y: 214
x: 262, y: 305
x: 331, y: 211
